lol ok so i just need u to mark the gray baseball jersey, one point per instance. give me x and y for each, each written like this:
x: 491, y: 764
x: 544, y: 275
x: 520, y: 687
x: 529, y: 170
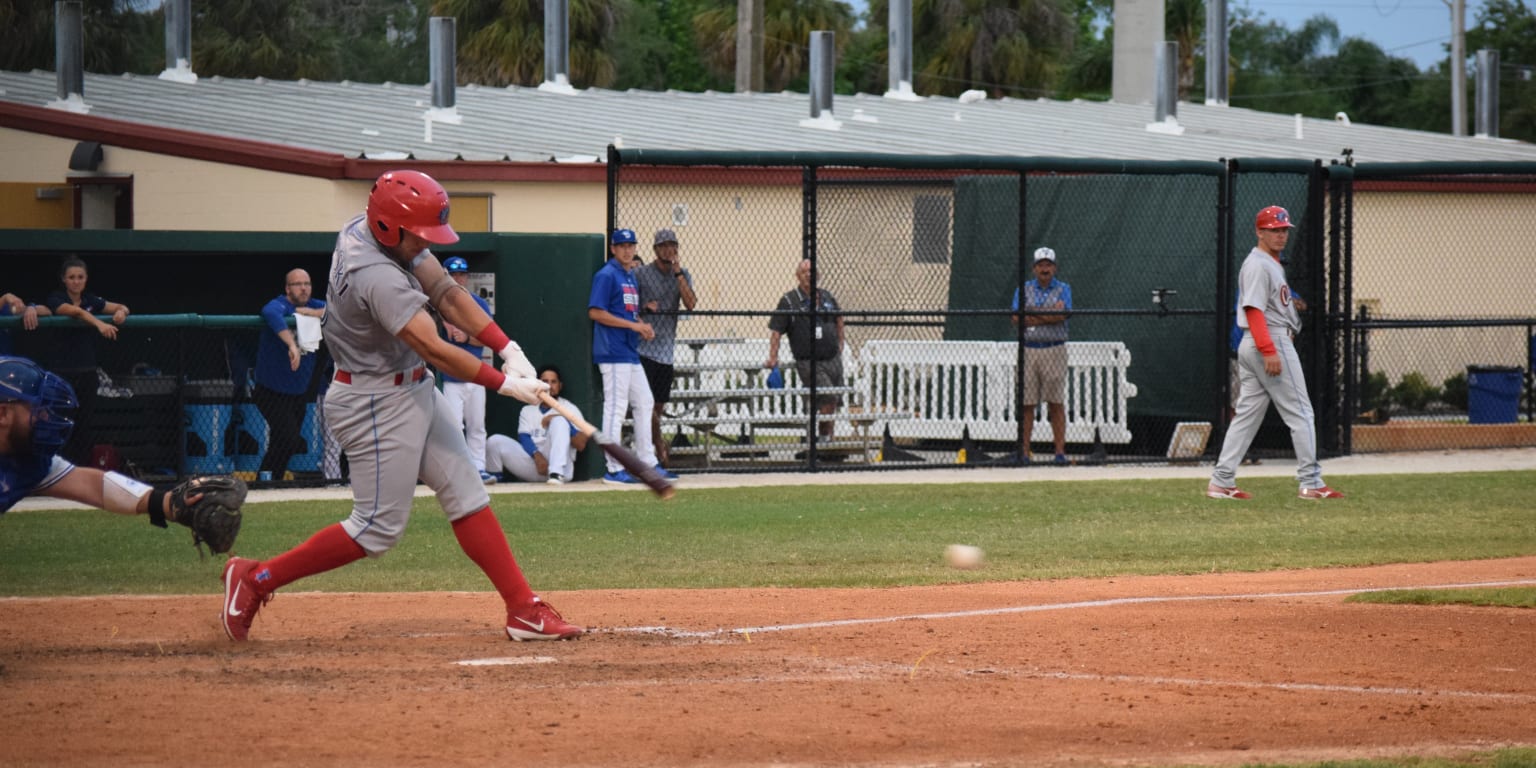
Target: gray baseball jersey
x: 391, y: 420
x: 369, y: 299
x: 1262, y: 286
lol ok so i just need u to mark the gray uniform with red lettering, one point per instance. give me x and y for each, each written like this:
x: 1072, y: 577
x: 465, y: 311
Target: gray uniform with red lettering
x: 1261, y: 284
x: 390, y: 419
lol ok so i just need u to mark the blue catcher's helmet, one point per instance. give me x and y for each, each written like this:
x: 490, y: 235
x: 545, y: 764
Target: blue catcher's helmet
x: 623, y: 236
x: 456, y: 264
x: 23, y: 381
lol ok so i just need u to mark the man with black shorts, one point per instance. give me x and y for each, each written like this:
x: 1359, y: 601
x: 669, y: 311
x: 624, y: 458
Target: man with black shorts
x: 664, y: 284
x: 821, y: 341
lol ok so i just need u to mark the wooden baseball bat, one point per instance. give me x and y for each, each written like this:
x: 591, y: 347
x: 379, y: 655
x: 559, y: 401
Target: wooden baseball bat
x: 622, y: 455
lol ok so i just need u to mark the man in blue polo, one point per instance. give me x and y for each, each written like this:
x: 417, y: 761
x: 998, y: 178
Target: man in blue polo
x: 1045, y: 351
x: 284, y: 372
x: 614, y: 308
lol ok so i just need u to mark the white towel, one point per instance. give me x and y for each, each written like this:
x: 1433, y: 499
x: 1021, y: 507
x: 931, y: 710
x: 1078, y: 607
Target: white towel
x: 308, y: 332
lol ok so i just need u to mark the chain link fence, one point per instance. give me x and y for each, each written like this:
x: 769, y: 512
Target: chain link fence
x: 1441, y: 326
x: 924, y: 256
x: 175, y: 395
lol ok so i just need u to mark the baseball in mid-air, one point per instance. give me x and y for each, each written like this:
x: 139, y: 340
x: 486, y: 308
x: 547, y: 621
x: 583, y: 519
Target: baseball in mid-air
x: 963, y: 556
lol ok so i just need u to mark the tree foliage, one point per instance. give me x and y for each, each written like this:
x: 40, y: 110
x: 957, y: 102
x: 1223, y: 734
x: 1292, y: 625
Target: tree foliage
x: 787, y: 27
x: 1004, y: 47
x: 114, y: 36
x: 501, y: 42
x: 1509, y: 27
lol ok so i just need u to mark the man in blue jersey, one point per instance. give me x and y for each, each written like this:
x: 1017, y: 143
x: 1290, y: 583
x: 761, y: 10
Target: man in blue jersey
x: 284, y: 372
x: 614, y: 308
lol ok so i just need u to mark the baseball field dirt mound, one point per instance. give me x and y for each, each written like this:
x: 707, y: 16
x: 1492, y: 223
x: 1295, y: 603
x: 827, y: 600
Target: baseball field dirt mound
x: 1208, y: 669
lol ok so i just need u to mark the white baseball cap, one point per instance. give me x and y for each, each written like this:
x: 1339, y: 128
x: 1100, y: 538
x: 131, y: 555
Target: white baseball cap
x: 1045, y: 254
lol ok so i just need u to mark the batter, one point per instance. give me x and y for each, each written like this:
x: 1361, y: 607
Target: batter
x: 1268, y: 368
x: 393, y: 423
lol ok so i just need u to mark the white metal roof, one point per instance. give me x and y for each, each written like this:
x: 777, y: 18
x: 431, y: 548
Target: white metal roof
x: 527, y: 124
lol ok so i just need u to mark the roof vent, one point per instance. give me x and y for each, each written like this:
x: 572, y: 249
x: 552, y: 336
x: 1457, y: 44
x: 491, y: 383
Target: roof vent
x: 1216, y: 53
x: 442, y: 44
x: 1486, y: 123
x: 178, y: 42
x: 899, y: 52
x: 1165, y: 114
x: 823, y: 64
x: 69, y: 55
x: 557, y: 47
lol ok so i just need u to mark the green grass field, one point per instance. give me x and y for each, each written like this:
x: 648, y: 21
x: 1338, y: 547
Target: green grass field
x: 818, y: 536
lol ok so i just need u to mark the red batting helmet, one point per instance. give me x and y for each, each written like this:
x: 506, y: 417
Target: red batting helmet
x: 1273, y: 217
x: 409, y: 200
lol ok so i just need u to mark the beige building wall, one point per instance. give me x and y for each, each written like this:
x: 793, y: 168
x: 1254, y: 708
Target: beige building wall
x: 1433, y: 255
x: 174, y: 193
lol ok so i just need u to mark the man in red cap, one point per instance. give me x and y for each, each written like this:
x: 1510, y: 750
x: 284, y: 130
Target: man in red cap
x: 1268, y: 368
x: 389, y: 417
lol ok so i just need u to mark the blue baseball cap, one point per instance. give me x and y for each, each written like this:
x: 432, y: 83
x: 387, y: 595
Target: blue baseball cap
x: 623, y: 237
x: 456, y: 264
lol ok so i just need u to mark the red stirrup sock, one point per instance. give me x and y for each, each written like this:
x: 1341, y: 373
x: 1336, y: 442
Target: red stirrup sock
x: 481, y: 537
x: 330, y: 548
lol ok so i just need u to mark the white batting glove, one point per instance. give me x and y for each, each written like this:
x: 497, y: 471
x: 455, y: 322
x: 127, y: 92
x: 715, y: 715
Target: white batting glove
x: 524, y: 388
x: 516, y: 364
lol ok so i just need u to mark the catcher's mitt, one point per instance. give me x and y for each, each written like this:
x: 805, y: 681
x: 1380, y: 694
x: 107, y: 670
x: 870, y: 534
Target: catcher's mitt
x: 210, y: 506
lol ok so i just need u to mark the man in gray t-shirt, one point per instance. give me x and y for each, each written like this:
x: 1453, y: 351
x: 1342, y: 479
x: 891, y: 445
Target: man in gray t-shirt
x: 664, y: 284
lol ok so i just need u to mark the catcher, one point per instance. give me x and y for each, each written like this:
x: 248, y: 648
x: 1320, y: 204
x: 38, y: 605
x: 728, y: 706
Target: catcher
x: 34, y: 425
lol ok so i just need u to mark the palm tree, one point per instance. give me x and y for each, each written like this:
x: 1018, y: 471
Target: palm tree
x: 501, y: 42
x: 1184, y: 21
x: 787, y: 27
x: 1000, y: 46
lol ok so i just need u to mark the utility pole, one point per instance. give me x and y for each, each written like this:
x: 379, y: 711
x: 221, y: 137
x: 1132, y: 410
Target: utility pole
x: 1458, y: 66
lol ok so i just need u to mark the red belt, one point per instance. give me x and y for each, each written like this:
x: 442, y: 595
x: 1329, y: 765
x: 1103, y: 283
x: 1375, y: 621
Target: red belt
x: 416, y: 374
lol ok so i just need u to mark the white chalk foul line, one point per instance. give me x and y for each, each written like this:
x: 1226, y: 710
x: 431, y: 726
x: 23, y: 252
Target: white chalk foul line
x: 1316, y: 687
x: 678, y: 633
x: 507, y: 661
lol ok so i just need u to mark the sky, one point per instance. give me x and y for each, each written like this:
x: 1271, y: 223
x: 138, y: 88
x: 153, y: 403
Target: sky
x: 1418, y: 30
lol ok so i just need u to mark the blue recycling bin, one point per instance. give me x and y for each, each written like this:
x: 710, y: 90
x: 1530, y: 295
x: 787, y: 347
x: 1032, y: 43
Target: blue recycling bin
x: 207, y: 418
x: 1493, y: 394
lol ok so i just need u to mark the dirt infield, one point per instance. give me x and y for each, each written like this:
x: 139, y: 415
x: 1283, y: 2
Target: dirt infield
x: 1209, y: 669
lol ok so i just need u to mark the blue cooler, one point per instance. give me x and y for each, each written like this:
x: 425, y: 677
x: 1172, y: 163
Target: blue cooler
x: 309, y: 461
x: 249, y: 441
x: 206, y: 417
x: 1493, y: 394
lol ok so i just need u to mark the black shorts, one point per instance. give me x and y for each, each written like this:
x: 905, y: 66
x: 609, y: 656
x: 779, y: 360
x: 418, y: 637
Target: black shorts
x: 659, y: 376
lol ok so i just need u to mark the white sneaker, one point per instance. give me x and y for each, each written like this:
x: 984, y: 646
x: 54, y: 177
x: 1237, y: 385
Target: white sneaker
x: 555, y: 479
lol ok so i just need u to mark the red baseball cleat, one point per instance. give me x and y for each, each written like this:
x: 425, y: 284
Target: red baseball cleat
x: 241, y: 598
x: 1222, y: 492
x: 540, y: 621
x: 1319, y: 493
